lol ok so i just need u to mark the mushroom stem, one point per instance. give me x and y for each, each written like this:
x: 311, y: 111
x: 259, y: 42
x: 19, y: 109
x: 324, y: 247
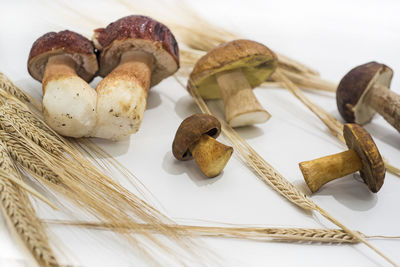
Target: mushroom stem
x: 121, y: 96
x: 386, y: 103
x: 241, y: 105
x: 210, y: 155
x: 69, y: 103
x: 320, y: 171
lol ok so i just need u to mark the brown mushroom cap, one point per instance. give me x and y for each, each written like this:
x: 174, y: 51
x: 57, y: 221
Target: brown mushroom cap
x: 190, y: 131
x: 373, y: 168
x: 79, y: 48
x: 138, y: 33
x: 256, y: 60
x: 355, y: 85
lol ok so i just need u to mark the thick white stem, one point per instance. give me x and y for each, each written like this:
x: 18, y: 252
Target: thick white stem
x: 69, y: 103
x: 241, y: 105
x: 121, y: 96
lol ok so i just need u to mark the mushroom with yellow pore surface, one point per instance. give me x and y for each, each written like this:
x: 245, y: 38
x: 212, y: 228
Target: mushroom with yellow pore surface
x: 65, y: 62
x: 195, y: 138
x: 364, y: 90
x: 231, y: 71
x: 136, y: 53
x: 363, y: 156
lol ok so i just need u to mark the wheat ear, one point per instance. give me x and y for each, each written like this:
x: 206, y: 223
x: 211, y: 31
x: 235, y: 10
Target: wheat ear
x: 272, y: 177
x: 15, y: 91
x: 21, y: 216
x: 20, y: 154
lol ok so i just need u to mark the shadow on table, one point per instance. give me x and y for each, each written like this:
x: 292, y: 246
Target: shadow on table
x: 351, y: 192
x: 176, y: 167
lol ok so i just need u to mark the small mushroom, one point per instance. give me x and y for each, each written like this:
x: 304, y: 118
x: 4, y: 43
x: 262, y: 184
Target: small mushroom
x: 363, y: 156
x: 230, y: 71
x: 195, y: 138
x: 136, y: 53
x: 364, y: 90
x: 65, y: 62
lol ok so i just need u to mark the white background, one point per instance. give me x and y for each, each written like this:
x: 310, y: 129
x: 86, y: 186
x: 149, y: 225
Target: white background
x: 331, y: 36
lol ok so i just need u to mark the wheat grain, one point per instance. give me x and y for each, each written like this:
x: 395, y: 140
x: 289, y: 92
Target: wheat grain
x: 26, y: 159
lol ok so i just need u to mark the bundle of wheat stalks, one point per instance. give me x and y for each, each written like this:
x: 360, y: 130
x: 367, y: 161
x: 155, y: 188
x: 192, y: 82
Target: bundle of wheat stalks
x: 62, y: 168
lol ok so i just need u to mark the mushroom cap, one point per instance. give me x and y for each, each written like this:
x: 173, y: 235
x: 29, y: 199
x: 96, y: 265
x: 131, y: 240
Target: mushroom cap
x: 69, y: 43
x: 355, y: 85
x: 191, y: 130
x: 256, y: 60
x: 373, y: 168
x: 138, y: 33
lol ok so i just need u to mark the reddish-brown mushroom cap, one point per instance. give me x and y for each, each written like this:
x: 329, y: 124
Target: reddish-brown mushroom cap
x: 373, y: 168
x: 355, y: 85
x: 69, y: 43
x: 138, y: 33
x: 191, y: 130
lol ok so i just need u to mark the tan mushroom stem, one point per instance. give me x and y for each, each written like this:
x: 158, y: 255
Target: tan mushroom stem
x: 122, y: 95
x: 210, y: 155
x: 241, y: 105
x: 386, y: 103
x: 323, y: 170
x: 69, y: 103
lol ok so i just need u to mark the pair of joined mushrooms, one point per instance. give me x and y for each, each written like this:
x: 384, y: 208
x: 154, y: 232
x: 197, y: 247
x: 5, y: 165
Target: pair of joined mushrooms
x: 134, y: 54
x: 363, y: 156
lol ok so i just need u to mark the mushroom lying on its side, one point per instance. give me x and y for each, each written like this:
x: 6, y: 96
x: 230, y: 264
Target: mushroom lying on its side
x: 136, y: 52
x: 362, y: 156
x: 65, y: 62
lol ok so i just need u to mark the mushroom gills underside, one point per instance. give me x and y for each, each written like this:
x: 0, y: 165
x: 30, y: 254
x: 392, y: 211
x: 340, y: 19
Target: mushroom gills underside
x: 69, y: 106
x: 256, y: 69
x: 363, y: 113
x: 120, y: 109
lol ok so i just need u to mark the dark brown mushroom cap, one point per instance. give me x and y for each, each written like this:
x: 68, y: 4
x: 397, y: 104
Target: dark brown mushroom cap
x: 79, y: 48
x: 373, y: 168
x: 355, y: 85
x: 190, y: 131
x: 138, y: 33
x: 256, y: 61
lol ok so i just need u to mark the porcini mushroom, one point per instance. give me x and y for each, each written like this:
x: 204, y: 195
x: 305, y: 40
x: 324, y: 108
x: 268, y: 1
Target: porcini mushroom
x: 230, y: 71
x: 195, y: 138
x: 363, y: 156
x: 364, y: 90
x: 136, y: 53
x: 65, y: 62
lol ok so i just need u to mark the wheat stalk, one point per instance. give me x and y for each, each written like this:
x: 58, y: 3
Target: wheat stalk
x: 20, y: 215
x: 272, y: 177
x: 246, y: 232
x: 243, y: 232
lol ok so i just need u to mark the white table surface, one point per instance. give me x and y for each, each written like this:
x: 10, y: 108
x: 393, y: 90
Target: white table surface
x: 332, y: 37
